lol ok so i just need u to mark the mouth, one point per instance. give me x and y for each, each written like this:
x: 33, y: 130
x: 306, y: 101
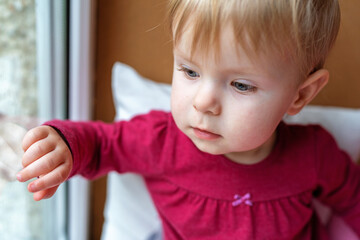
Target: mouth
x: 205, y: 135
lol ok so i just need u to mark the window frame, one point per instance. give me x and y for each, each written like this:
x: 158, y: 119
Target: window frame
x: 81, y: 78
x: 51, y: 44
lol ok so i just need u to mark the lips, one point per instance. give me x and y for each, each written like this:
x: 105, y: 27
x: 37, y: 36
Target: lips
x: 205, y: 135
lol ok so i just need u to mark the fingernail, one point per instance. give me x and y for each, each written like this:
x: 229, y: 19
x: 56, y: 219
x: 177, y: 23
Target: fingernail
x: 19, y: 178
x: 32, y: 187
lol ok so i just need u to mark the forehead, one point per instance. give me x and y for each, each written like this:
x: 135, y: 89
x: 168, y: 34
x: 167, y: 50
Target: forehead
x: 227, y: 49
x: 207, y: 35
x: 254, y: 26
x: 231, y: 56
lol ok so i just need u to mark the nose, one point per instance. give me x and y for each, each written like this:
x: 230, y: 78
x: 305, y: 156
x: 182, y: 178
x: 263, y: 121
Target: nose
x: 207, y: 99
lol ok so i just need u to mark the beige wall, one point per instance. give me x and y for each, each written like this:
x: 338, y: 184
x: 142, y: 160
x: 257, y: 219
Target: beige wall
x: 133, y: 32
x: 344, y: 61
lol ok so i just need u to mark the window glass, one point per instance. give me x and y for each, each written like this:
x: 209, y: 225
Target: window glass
x: 18, y: 89
x: 21, y: 217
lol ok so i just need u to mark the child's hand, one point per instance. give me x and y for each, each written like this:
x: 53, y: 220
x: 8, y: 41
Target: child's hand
x: 47, y: 157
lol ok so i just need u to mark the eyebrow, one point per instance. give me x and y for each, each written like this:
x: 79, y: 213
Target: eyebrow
x: 182, y: 55
x: 186, y: 60
x: 242, y: 70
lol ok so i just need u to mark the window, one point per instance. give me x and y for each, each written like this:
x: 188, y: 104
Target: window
x: 18, y: 89
x: 30, y: 71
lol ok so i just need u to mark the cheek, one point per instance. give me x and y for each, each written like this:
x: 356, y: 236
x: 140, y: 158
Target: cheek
x: 179, y: 98
x: 276, y: 104
x: 180, y: 105
x: 176, y: 97
x: 254, y: 119
x: 180, y: 92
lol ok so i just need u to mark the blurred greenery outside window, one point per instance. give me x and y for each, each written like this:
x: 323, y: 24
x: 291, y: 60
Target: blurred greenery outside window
x: 21, y: 217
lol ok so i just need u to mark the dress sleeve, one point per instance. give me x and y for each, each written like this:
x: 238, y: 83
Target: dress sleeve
x: 126, y: 146
x: 338, y: 180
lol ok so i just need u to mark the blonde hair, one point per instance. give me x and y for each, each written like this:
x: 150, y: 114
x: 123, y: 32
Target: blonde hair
x: 306, y: 28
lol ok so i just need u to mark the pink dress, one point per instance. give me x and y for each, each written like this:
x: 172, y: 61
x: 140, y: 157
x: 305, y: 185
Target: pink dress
x: 203, y: 196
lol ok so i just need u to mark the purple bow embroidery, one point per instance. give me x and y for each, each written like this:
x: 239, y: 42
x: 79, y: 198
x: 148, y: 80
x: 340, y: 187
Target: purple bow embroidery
x: 242, y: 199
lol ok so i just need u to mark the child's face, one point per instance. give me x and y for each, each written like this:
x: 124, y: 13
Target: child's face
x: 231, y: 105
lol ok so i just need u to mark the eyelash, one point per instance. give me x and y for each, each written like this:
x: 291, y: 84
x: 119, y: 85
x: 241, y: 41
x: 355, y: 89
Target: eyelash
x: 188, y: 71
x: 237, y: 85
x: 242, y: 87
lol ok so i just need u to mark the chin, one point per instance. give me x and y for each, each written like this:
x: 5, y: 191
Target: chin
x: 209, y: 149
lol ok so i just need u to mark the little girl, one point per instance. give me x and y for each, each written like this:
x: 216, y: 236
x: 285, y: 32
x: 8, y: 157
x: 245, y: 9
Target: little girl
x: 222, y: 164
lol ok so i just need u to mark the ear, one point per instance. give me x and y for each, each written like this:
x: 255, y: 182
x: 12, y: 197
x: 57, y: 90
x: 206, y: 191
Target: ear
x: 308, y: 90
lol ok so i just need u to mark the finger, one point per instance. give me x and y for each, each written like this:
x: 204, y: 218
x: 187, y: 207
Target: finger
x: 52, y: 179
x: 42, y: 166
x: 34, y: 135
x: 37, y: 150
x: 45, y: 194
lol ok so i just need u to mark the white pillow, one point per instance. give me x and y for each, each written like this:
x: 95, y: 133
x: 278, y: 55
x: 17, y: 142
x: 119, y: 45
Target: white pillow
x: 129, y: 211
x: 134, y: 94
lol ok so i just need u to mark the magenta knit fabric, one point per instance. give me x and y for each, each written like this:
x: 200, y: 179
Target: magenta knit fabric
x: 203, y: 196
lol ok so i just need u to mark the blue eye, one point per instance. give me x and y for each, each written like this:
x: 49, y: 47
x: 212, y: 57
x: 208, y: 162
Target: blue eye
x: 188, y: 72
x: 242, y: 87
